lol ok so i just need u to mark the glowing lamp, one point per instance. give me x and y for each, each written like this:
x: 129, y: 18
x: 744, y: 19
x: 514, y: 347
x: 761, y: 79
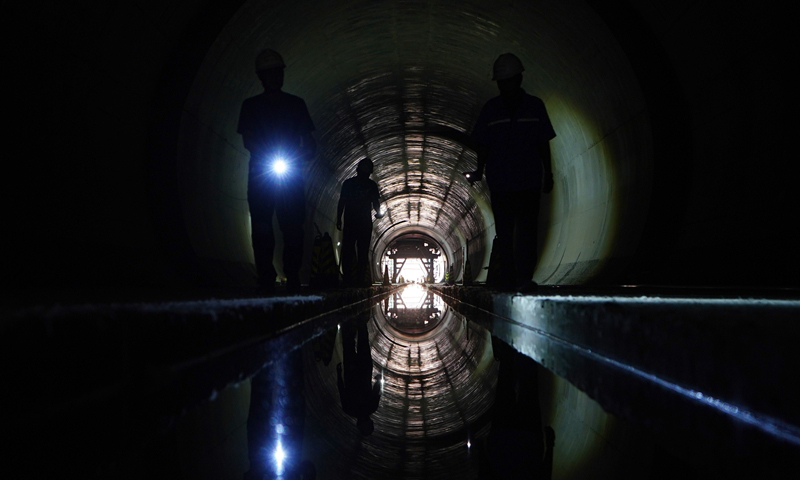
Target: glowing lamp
x: 280, y: 166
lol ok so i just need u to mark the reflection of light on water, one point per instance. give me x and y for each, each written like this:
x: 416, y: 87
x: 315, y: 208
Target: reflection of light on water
x: 414, y: 309
x: 413, y: 295
x: 280, y: 456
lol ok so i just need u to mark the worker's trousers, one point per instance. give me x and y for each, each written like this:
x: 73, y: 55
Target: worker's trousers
x: 287, y: 202
x: 355, y: 252
x: 516, y: 216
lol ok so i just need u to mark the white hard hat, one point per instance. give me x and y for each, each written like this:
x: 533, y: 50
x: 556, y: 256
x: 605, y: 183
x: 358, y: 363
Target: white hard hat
x: 506, y: 66
x: 267, y: 59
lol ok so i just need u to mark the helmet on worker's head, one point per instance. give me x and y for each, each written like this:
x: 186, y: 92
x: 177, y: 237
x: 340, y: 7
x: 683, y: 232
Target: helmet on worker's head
x: 506, y: 66
x: 365, y: 166
x: 269, y: 59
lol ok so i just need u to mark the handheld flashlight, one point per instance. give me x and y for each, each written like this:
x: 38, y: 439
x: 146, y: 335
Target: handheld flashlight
x: 280, y: 166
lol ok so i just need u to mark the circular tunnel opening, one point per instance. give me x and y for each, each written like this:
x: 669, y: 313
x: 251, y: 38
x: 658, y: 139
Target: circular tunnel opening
x: 379, y: 81
x: 415, y: 257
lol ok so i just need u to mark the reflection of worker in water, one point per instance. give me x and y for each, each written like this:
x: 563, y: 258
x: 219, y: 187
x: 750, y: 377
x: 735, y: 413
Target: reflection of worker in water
x: 276, y: 129
x: 517, y: 446
x: 359, y: 196
x: 359, y: 396
x: 277, y: 417
x: 512, y: 138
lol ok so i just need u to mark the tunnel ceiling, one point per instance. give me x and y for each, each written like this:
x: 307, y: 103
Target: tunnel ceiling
x: 380, y: 77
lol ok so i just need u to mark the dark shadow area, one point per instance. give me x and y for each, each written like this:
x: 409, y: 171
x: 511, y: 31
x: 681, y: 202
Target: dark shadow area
x: 359, y: 396
x: 518, y: 445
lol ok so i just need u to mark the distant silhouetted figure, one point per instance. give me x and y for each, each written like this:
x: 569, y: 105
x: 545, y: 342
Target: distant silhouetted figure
x: 359, y: 396
x: 276, y: 129
x: 358, y: 197
x: 512, y: 138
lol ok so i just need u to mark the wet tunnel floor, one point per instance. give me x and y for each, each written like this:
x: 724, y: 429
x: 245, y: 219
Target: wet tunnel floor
x: 436, y: 387
x: 204, y: 389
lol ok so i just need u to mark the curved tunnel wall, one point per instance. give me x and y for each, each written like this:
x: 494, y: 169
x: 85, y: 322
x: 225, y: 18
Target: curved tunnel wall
x: 94, y: 200
x: 379, y: 77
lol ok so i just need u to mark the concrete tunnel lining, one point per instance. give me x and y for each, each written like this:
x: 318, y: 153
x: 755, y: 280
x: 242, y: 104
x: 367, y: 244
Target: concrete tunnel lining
x: 377, y: 77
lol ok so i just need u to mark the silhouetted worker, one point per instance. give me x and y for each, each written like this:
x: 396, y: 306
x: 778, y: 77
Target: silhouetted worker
x: 276, y: 129
x: 512, y: 138
x: 360, y: 398
x: 358, y: 197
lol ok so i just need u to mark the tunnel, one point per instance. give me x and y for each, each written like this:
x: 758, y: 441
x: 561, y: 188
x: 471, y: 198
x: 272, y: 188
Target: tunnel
x: 653, y: 181
x: 674, y: 141
x: 383, y: 92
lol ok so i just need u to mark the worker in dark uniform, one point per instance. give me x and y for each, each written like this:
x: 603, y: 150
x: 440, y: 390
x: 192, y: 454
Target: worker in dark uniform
x: 276, y: 129
x: 358, y: 197
x: 359, y: 396
x: 512, y: 139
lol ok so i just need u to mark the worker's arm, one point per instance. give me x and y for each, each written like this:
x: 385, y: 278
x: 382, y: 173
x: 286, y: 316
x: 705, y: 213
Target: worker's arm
x: 376, y: 204
x: 245, y: 127
x: 375, y: 395
x: 548, y: 169
x: 451, y: 133
x: 477, y: 174
x: 248, y: 137
x: 340, y: 210
x: 468, y: 141
x: 342, y: 389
